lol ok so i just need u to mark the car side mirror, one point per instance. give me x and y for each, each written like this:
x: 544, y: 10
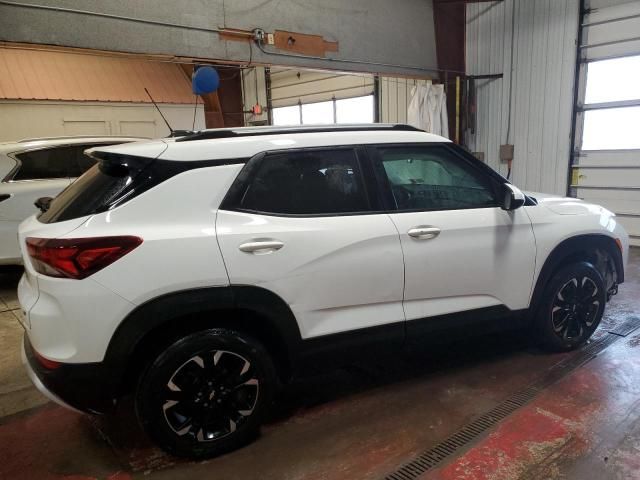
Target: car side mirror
x: 43, y: 203
x: 513, y: 197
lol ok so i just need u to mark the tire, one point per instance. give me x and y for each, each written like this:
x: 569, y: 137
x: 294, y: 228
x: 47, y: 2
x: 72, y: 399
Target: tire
x: 571, y: 308
x: 206, y: 394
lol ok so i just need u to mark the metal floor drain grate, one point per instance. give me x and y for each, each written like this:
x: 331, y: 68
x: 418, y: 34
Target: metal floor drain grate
x: 471, y: 431
x: 627, y: 327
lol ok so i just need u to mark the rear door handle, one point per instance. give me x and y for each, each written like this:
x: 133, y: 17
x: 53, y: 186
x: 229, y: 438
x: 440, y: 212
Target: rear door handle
x: 261, y: 247
x: 424, y: 233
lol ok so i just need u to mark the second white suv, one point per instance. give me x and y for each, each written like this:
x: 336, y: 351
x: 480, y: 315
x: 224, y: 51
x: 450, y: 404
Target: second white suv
x: 199, y: 272
x: 36, y: 168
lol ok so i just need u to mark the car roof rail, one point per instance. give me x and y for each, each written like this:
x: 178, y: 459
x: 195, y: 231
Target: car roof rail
x: 75, y: 137
x: 274, y: 130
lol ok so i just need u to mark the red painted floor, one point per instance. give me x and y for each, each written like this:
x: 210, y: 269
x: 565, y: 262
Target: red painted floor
x: 585, y: 426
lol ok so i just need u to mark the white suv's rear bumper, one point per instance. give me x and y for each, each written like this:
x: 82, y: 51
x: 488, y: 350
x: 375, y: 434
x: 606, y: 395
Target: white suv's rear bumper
x: 40, y: 386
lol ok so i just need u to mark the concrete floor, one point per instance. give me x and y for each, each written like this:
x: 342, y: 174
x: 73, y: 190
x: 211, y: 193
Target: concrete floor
x: 367, y: 420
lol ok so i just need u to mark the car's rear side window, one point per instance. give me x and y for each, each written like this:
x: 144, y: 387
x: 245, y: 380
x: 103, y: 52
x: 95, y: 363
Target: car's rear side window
x: 87, y: 195
x: 45, y: 163
x: 55, y: 162
x: 308, y: 182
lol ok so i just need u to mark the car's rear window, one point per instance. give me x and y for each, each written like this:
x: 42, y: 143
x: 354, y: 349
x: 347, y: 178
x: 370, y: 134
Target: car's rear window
x: 91, y: 192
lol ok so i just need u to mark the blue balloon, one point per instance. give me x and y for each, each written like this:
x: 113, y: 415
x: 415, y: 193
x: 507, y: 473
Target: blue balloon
x: 205, y: 80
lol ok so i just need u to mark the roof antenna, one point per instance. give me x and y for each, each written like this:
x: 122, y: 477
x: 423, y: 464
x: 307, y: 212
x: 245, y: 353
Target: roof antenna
x: 160, y: 112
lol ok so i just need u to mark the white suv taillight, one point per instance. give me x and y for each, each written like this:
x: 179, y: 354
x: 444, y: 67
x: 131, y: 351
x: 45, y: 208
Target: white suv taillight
x: 77, y: 258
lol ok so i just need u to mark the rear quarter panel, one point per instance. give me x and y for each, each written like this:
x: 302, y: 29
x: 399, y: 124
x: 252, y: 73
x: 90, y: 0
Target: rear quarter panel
x: 176, y: 220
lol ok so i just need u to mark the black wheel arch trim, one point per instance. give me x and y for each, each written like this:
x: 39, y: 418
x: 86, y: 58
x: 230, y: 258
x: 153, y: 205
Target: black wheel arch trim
x: 260, y: 304
x: 573, y: 247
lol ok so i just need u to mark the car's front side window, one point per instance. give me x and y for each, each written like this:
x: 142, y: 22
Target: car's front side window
x: 311, y: 182
x: 433, y: 178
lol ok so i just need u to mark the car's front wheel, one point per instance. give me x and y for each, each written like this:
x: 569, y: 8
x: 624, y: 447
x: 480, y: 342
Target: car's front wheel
x: 571, y: 308
x: 206, y: 394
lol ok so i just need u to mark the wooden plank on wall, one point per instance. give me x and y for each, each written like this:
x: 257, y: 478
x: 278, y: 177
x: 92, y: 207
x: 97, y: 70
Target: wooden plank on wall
x: 303, y: 43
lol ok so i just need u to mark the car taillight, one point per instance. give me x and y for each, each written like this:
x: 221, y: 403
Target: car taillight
x: 77, y: 258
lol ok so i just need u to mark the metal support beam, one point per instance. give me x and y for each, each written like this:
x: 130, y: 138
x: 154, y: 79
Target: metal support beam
x: 576, y: 93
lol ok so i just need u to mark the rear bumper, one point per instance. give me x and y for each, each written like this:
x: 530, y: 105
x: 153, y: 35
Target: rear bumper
x: 83, y: 387
x: 38, y: 383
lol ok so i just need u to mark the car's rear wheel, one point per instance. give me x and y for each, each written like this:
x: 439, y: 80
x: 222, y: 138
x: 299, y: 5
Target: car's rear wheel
x: 571, y: 308
x: 206, y: 394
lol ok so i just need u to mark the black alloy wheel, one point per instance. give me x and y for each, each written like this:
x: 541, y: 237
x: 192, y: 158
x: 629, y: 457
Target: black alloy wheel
x: 211, y: 395
x: 206, y: 393
x: 571, y: 308
x: 575, y: 308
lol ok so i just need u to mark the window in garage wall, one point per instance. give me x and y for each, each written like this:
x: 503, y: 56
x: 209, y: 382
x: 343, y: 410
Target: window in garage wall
x: 287, y: 115
x: 605, y: 167
x: 346, y: 110
x: 612, y: 104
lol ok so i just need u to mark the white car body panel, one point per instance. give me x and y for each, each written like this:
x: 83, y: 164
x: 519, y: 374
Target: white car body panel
x: 551, y: 227
x: 336, y: 273
x: 481, y: 258
x: 245, y: 147
x: 176, y: 219
x: 174, y: 224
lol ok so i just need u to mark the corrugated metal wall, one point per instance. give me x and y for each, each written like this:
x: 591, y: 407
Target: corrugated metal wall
x: 394, y: 98
x: 40, y: 74
x: 544, y: 36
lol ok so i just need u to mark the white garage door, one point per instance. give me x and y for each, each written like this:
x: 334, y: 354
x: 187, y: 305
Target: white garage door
x: 304, y: 97
x: 606, y: 165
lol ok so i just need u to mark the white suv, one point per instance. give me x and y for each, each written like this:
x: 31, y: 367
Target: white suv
x: 198, y: 272
x: 36, y: 168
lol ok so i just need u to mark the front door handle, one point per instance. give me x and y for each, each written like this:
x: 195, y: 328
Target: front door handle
x: 261, y: 247
x: 424, y: 233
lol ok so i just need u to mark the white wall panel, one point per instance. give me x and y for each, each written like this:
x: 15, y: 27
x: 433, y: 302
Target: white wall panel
x: 395, y: 95
x: 544, y: 34
x: 27, y: 119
